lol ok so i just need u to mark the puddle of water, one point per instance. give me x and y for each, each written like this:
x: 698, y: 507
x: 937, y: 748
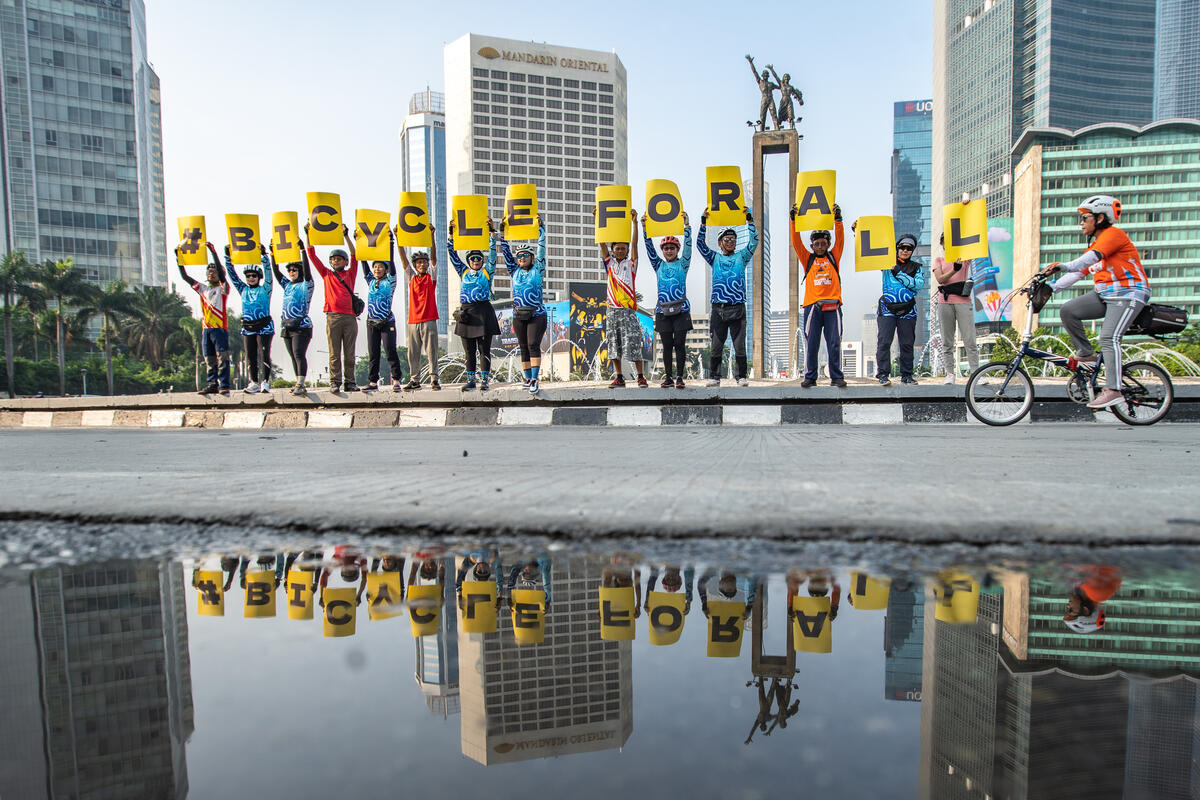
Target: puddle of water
x: 356, y: 671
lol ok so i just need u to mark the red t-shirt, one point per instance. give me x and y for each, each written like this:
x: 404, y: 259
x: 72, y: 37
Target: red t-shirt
x: 422, y: 299
x: 337, y: 292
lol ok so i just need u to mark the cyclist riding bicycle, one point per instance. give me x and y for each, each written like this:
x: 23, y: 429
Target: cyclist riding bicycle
x: 1121, y: 291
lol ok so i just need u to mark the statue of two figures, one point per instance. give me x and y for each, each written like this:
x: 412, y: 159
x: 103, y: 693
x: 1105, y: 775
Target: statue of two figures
x: 785, y: 114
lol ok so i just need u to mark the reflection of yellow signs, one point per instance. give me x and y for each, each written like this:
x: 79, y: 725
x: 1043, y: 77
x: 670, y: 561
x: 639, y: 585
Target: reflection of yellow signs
x: 612, y: 213
x: 243, y: 239
x: 529, y: 615
x: 726, y: 619
x: 324, y: 218
x: 260, y: 594
x: 371, y: 240
x: 424, y: 608
x: 469, y: 213
x: 664, y: 209
x: 965, y: 229
x: 726, y: 205
x: 298, y: 590
x: 812, y: 630
x: 874, y: 244
x: 385, y: 595
x: 617, y: 606
x: 340, y: 607
x: 957, y: 595
x: 520, y: 212
x: 192, y: 237
x: 211, y: 598
x: 479, y: 607
x: 867, y: 593
x: 814, y: 199
x: 412, y: 221
x: 285, y: 236
x: 665, y: 617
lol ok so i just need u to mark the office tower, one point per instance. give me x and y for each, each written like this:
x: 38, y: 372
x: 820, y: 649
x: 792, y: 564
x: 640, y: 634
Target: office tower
x: 912, y: 185
x: 1177, y: 60
x: 437, y: 655
x: 423, y: 169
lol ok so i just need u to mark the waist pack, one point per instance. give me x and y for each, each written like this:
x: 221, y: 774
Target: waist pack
x: 958, y: 289
x: 292, y: 324
x: 672, y: 308
x: 255, y: 325
x: 728, y: 312
x: 1159, y: 320
x: 900, y: 309
x: 524, y: 313
x: 379, y: 324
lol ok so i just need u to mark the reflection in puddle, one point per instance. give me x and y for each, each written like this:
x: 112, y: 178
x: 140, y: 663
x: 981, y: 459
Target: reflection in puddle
x: 1006, y: 682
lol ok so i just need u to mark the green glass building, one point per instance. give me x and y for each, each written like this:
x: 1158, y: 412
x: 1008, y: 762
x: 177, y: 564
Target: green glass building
x: 1153, y: 170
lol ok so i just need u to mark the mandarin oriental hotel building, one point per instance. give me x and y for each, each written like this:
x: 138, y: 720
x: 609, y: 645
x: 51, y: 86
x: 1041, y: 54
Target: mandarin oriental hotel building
x: 523, y: 112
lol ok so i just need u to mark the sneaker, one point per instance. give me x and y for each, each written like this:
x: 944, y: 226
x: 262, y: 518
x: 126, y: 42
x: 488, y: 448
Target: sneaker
x: 483, y: 385
x: 908, y: 380
x: 435, y: 385
x: 224, y: 392
x: 679, y: 383
x: 350, y: 387
x: 528, y: 381
x: 533, y: 386
x: 713, y: 382
x: 252, y: 387
x: 743, y: 382
x: 641, y: 382
x: 885, y: 381
x: 618, y: 382
x: 1108, y: 397
x: 469, y: 385
x: 396, y: 386
x: 807, y: 383
x: 299, y: 389
x: 372, y: 387
x: 208, y: 390
x: 838, y: 382
x: 949, y: 380
x: 667, y: 383
x: 411, y: 386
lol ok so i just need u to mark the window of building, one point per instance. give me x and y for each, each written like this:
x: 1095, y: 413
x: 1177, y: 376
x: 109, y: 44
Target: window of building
x: 52, y: 138
x: 479, y: 73
x: 587, y: 97
x: 534, y: 79
x: 517, y: 101
x: 499, y: 74
x: 571, y: 82
x: 499, y: 86
x: 479, y: 95
x: 554, y: 104
x: 47, y: 83
x: 571, y: 94
x: 516, y: 76
x: 516, y: 88
x: 554, y: 92
x: 538, y: 90
x: 550, y: 81
x: 478, y: 84
x: 588, y: 85
x: 502, y: 110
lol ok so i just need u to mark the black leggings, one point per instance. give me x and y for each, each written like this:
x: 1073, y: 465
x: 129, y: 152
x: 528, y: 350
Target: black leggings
x: 673, y: 342
x: 529, y: 336
x: 297, y: 347
x: 258, y: 350
x: 484, y: 344
x: 387, y: 338
x: 734, y: 329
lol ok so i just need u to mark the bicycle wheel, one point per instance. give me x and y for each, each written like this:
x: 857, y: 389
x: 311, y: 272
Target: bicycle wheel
x: 993, y: 402
x: 1148, y: 394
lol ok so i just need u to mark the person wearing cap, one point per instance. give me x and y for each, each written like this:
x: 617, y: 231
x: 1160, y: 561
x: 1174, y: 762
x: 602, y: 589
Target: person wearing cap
x: 1084, y: 612
x: 622, y: 331
x: 896, y: 312
x: 475, y: 322
x: 214, y: 319
x: 822, y: 299
x: 296, y: 327
x: 955, y: 308
x: 341, y: 322
x: 727, y: 306
x: 380, y: 278
x: 422, y: 313
x: 672, y: 581
x: 258, y: 329
x: 527, y: 273
x: 672, y: 312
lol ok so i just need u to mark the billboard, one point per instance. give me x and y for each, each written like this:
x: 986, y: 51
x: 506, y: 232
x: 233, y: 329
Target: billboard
x: 993, y: 275
x: 557, y: 320
x: 587, y: 314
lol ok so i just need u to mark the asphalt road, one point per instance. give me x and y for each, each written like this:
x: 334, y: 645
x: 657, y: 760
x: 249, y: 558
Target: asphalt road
x: 1050, y: 483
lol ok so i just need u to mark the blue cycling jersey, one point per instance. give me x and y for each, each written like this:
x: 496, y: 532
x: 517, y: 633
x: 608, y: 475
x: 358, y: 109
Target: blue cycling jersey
x: 297, y: 295
x: 256, y: 300
x: 527, y: 283
x: 728, y: 271
x: 672, y: 275
x: 380, y: 291
x: 476, y: 284
x: 900, y: 287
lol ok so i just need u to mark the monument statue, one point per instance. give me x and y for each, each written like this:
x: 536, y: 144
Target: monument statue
x: 787, y: 112
x: 767, y: 104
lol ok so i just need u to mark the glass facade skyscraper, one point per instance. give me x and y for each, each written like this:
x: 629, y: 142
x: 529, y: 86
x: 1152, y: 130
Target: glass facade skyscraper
x: 82, y: 146
x: 1177, y: 60
x: 423, y: 169
x: 912, y: 185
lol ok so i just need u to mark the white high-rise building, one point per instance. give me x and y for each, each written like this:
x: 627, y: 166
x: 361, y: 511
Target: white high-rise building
x: 423, y: 169
x: 525, y: 112
x: 777, y: 342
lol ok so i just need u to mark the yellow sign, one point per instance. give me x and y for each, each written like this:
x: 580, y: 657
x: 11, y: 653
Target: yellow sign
x: 325, y: 218
x: 260, y: 594
x: 617, y: 607
x: 814, y: 199
x: 726, y: 205
x: 479, y: 607
x: 412, y: 221
x: 371, y: 240
x: 211, y: 598
x: 385, y: 595
x: 965, y: 227
x: 665, y: 616
x: 243, y: 239
x: 957, y: 595
x: 298, y: 589
x: 812, y: 629
x: 726, y: 620
x: 285, y: 236
x: 520, y: 212
x: 470, y: 214
x: 340, y: 607
x: 529, y: 615
x: 613, y: 204
x: 424, y: 608
x: 874, y: 244
x: 867, y: 593
x: 664, y: 208
x: 192, y: 240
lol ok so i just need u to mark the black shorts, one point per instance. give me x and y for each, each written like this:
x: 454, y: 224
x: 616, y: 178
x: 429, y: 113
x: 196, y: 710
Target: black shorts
x: 673, y: 323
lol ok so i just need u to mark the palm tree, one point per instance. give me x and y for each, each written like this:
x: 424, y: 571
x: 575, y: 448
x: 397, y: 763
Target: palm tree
x: 66, y: 284
x: 194, y: 331
x: 111, y: 304
x: 15, y: 286
x: 155, y: 316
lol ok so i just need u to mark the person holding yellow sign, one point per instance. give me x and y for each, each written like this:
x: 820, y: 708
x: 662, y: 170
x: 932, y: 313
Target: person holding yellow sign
x: 381, y: 322
x: 296, y: 328
x: 258, y: 329
x: 622, y: 331
x: 422, y: 313
x: 531, y: 575
x: 479, y: 566
x: 342, y: 307
x: 672, y: 582
x: 896, y: 314
x: 214, y: 322
x: 955, y: 309
x: 672, y: 312
x: 728, y: 301
x: 529, y: 312
x: 475, y: 320
x: 822, y: 299
x: 728, y: 587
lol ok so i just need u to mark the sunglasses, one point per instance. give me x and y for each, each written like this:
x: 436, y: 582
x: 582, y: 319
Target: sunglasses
x: 670, y: 247
x: 904, y: 247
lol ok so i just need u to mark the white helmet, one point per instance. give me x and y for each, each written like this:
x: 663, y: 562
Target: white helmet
x: 1104, y: 204
x: 1087, y: 623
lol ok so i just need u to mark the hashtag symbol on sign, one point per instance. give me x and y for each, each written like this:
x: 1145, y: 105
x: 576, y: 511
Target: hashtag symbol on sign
x: 191, y: 241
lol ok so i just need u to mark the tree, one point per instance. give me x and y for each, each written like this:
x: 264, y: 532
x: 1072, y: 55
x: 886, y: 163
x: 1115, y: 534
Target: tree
x: 64, y: 283
x: 155, y: 316
x: 192, y: 328
x: 15, y: 286
x: 110, y: 304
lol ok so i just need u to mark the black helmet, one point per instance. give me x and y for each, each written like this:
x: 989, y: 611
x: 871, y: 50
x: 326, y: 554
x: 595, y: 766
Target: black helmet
x: 812, y: 237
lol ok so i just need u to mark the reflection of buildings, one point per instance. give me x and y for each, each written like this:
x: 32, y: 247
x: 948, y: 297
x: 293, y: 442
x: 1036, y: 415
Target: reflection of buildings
x: 96, y: 683
x: 903, y: 639
x: 571, y: 694
x: 437, y: 655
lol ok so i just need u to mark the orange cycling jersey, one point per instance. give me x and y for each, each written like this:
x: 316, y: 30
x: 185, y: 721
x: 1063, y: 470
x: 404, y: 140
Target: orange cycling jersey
x: 822, y: 281
x: 1120, y: 272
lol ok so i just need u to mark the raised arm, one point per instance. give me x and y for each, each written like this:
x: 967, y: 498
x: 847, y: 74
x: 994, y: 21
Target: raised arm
x: 752, y: 244
x: 539, y: 261
x: 702, y: 239
x: 651, y: 253
x: 216, y: 262
x: 314, y: 259
x: 753, y: 69
x: 775, y: 75
x: 408, y: 270
x: 183, y: 272
x: 267, y: 262
x: 455, y: 260
x: 433, y: 252
x: 633, y: 239
x: 510, y: 263
x: 307, y: 267
x: 798, y: 240
x: 233, y: 276
x: 350, y: 245
x: 275, y: 268
x: 685, y: 253
x: 839, y: 232
x: 603, y: 245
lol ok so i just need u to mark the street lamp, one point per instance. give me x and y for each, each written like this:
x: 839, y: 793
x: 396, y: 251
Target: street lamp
x: 83, y: 372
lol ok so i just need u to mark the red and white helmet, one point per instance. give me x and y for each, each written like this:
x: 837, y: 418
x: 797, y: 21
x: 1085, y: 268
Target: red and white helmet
x: 666, y: 240
x: 1104, y: 204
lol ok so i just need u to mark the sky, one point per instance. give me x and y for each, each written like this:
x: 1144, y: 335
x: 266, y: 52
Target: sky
x: 265, y: 101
